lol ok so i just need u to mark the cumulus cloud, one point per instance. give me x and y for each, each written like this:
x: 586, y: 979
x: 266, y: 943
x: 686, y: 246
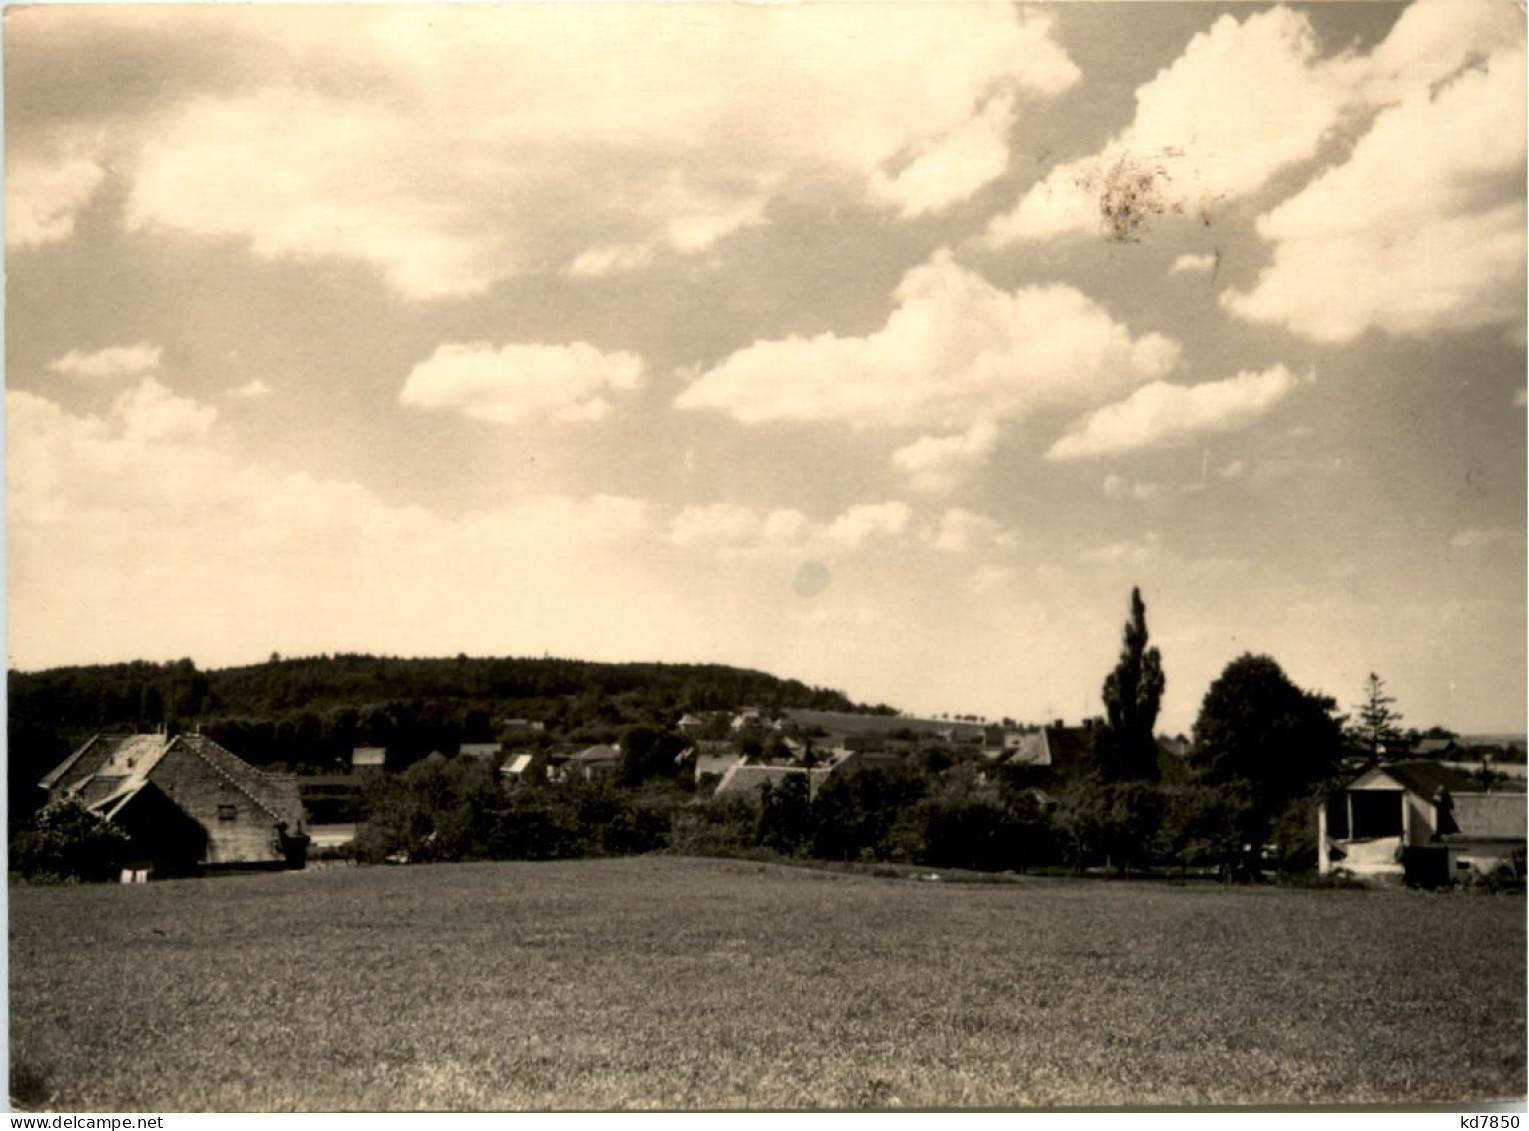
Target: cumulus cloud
x: 1477, y: 538
x: 251, y: 391
x: 1200, y: 263
x: 110, y: 363
x: 1274, y: 98
x: 152, y: 412
x: 960, y: 531
x: 949, y: 169
x: 1161, y: 413
x: 189, y: 526
x: 731, y: 530
x: 519, y: 383
x: 1134, y: 551
x: 489, y: 141
x: 936, y: 464
x: 1121, y: 489
x: 44, y: 193
x: 955, y: 351
x: 1421, y: 229
x: 1277, y: 99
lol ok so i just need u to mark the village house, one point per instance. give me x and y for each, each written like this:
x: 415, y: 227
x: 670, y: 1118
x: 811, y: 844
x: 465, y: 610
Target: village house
x: 484, y: 752
x: 746, y: 781
x: 712, y: 759
x: 368, y: 759
x: 1421, y: 822
x: 516, y: 766
x: 594, y: 762
x: 185, y: 803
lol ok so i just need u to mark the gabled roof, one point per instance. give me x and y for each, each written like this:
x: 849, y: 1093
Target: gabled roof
x: 745, y: 781
x: 1499, y: 816
x: 516, y: 765
x: 117, y: 767
x: 275, y: 793
x: 1422, y: 778
x: 116, y: 755
x: 591, y: 754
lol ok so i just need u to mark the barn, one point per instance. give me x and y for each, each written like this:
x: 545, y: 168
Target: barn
x: 185, y: 803
x: 1423, y: 822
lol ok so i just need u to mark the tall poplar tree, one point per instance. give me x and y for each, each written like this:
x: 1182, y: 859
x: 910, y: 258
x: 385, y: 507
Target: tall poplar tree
x: 1133, y: 694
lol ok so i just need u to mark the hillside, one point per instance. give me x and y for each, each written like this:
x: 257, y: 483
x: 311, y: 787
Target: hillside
x: 309, y: 712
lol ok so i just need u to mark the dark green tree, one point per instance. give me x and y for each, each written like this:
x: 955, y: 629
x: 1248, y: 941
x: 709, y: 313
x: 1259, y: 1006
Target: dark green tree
x: 1377, y: 727
x: 67, y: 842
x: 1133, y: 694
x: 1271, y: 742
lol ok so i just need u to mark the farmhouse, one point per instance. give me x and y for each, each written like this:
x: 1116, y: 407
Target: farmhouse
x: 746, y: 781
x: 593, y: 762
x: 1422, y: 822
x: 185, y: 802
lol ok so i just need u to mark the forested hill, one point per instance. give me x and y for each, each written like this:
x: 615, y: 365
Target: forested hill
x: 311, y: 711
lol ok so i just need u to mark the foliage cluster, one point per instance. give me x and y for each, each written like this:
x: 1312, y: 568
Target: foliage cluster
x: 64, y: 843
x: 309, y: 714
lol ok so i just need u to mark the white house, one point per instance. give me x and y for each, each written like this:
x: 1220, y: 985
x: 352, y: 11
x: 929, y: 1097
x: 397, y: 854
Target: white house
x: 1422, y: 822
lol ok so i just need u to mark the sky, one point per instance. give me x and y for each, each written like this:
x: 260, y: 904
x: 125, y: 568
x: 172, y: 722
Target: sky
x: 881, y: 346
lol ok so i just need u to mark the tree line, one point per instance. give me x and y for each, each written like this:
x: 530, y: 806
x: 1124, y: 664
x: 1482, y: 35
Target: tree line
x: 307, y: 714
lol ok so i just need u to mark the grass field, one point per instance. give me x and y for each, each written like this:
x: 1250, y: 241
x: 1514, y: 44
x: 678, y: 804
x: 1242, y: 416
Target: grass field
x: 680, y: 983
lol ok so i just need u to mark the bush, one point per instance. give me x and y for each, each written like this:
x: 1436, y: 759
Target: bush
x: 715, y: 828
x: 67, y: 842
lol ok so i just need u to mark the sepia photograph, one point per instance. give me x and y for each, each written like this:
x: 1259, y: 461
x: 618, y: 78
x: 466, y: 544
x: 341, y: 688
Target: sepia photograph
x: 801, y: 556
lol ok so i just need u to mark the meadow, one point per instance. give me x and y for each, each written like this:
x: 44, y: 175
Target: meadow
x: 663, y: 982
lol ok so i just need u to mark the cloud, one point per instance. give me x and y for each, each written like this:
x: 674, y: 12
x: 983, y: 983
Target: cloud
x: 1137, y: 551
x: 1121, y: 489
x: 1478, y: 538
x: 44, y: 195
x: 1421, y: 229
x: 110, y: 363
x: 1244, y: 100
x: 949, y: 169
x: 955, y: 351
x: 251, y: 391
x: 937, y: 464
x: 210, y: 553
x: 961, y: 531
x: 1251, y: 99
x: 152, y: 412
x: 517, y: 383
x: 731, y: 530
x: 1201, y: 263
x: 472, y: 144
x: 1161, y: 413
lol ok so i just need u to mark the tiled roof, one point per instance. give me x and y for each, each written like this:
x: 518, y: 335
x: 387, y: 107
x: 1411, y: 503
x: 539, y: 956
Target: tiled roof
x: 746, y: 781
x: 597, y: 754
x: 1427, y: 778
x: 1490, y: 815
x: 116, y: 767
